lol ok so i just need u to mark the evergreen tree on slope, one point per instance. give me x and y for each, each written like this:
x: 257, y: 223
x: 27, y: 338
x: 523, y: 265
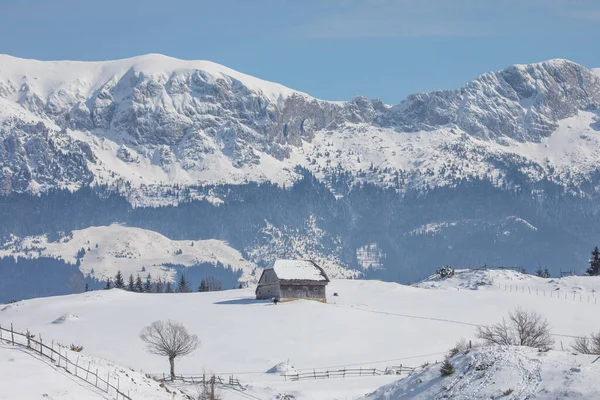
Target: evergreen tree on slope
x: 594, y: 269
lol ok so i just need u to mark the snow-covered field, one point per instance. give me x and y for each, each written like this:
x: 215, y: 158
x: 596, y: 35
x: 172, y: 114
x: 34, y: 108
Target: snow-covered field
x: 369, y: 324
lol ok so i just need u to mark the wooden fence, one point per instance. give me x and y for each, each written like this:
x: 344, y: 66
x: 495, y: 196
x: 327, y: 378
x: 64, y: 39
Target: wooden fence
x: 230, y: 381
x: 347, y: 372
x: 53, y: 353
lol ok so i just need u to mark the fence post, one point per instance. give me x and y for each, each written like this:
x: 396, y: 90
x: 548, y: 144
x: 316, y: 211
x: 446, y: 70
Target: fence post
x: 107, y: 379
x: 87, y: 371
x: 52, y: 352
x: 118, y: 386
x: 0, y: 333
x: 41, y: 344
x: 12, y: 334
x: 360, y: 371
x: 76, y: 365
x: 96, y: 377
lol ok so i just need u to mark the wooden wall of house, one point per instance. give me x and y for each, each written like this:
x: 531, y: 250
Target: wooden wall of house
x: 268, y: 286
x: 302, y: 291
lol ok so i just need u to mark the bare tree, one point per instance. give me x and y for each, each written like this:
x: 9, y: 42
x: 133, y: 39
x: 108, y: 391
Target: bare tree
x: 169, y: 339
x: 586, y: 345
x: 523, y: 328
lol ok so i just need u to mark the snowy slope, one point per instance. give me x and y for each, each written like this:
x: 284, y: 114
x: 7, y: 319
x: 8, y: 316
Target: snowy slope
x: 79, y: 79
x: 113, y: 248
x: 27, y: 376
x: 502, y: 373
x: 369, y: 324
x: 512, y: 281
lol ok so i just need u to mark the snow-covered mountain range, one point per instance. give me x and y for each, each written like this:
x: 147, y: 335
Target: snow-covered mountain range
x: 502, y: 171
x: 155, y: 120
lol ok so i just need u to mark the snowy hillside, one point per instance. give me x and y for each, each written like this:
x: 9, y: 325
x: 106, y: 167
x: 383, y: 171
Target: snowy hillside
x: 509, y: 280
x: 108, y: 249
x: 502, y: 373
x: 27, y: 375
x: 369, y: 324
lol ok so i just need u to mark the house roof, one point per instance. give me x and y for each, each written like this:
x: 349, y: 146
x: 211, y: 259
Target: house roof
x: 305, y: 270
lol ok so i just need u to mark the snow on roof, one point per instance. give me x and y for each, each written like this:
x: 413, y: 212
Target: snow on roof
x: 299, y: 270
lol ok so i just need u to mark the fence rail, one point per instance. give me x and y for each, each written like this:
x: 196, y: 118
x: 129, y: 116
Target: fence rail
x: 27, y: 340
x: 347, y: 372
x: 230, y: 381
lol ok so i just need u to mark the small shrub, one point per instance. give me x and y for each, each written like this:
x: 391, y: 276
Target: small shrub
x: 507, y: 392
x: 445, y: 272
x: 453, y: 351
x: 447, y: 368
x: 584, y: 345
x: 76, y: 348
x: 523, y: 328
x: 425, y: 364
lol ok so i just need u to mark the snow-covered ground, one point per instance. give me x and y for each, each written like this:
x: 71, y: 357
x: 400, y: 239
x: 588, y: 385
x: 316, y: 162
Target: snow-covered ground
x: 502, y: 373
x: 109, y: 249
x: 27, y: 375
x: 369, y: 324
x: 583, y: 287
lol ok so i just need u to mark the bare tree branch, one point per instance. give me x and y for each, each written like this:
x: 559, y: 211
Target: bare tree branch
x: 524, y: 328
x: 586, y: 345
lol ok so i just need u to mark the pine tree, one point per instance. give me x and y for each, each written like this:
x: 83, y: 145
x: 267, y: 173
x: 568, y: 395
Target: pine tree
x: 108, y: 284
x: 87, y: 287
x: 182, y: 286
x: 539, y: 272
x: 159, y: 286
x: 131, y: 285
x: 546, y: 273
x: 169, y: 288
x: 139, y: 285
x: 203, y: 287
x: 594, y: 269
x: 119, y: 283
x: 447, y: 368
x: 148, y: 284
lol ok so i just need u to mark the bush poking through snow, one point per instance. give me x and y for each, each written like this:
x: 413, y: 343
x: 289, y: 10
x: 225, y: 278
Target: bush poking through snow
x: 447, y: 368
x: 523, y: 328
x: 507, y: 392
x: 462, y: 346
x: 76, y: 348
x: 584, y: 345
x: 208, y: 390
x: 445, y: 272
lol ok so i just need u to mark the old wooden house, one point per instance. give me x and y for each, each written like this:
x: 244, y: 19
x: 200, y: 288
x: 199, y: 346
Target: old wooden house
x: 293, y: 279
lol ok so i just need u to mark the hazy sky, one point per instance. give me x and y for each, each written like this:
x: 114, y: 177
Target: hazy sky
x: 332, y: 49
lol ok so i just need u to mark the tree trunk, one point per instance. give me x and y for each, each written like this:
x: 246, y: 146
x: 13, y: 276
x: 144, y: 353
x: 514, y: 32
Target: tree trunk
x: 172, y: 362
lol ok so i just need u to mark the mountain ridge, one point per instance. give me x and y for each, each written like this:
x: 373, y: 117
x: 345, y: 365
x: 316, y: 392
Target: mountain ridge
x: 156, y: 120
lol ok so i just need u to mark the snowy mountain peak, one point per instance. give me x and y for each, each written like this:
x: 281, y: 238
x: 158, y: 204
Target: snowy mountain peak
x: 48, y: 77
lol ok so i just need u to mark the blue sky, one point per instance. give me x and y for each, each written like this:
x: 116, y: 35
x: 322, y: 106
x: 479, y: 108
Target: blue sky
x: 332, y: 49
